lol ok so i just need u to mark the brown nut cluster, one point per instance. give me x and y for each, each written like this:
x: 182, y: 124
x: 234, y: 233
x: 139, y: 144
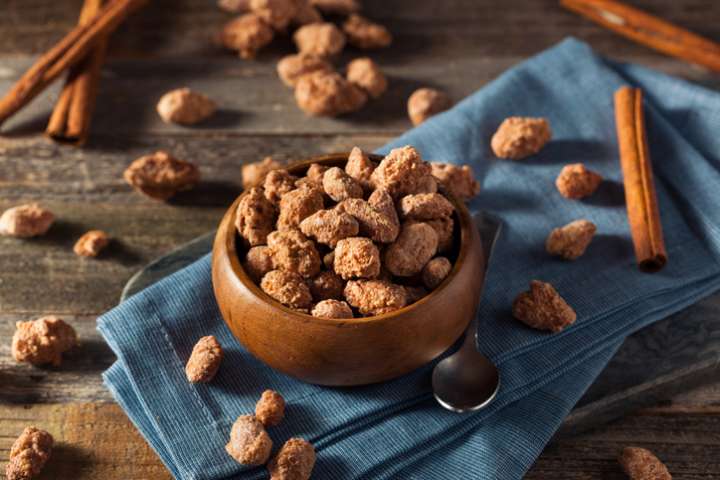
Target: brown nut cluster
x: 276, y: 13
x: 294, y: 461
x: 292, y: 67
x: 253, y: 174
x: 24, y: 221
x: 246, y: 34
x: 336, y: 7
x: 459, y: 181
x: 204, y: 361
x: 185, y: 107
x: 319, y: 39
x: 362, y: 33
x: 366, y: 74
x: 160, y: 175
x: 520, y: 137
x: 543, y: 308
x: 426, y: 102
x: 642, y: 464
x: 575, y: 181
x: 249, y: 443
x: 338, y: 248
x: 91, y: 243
x: 328, y: 94
x: 270, y: 409
x: 571, y: 240
x: 28, y: 454
x: 42, y: 341
x: 234, y: 6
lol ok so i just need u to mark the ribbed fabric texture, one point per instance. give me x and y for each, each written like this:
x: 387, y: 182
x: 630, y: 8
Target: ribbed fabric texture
x: 396, y: 430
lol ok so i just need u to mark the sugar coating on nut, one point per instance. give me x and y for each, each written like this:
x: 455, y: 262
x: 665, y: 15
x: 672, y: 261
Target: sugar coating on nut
x: 28, y: 454
x: 340, y: 186
x: 571, y: 240
x: 362, y: 33
x: 24, y: 221
x: 292, y: 67
x: 160, y: 175
x: 543, y: 308
x: 249, y: 442
x: 294, y: 461
x: 401, y: 172
x: 375, y: 297
x: 323, y: 93
x: 414, y: 247
x: 426, y: 102
x: 366, y: 74
x: 575, y: 181
x: 185, y: 107
x: 332, y: 309
x: 379, y: 226
x: 255, y: 217
x: 315, y: 173
x: 357, y: 257
x: 435, y: 271
x: 258, y: 262
x: 288, y: 288
x: 294, y: 252
x: 337, y: 7
x: 91, y: 243
x: 520, y: 137
x: 327, y: 285
x: 276, y: 13
x: 444, y: 229
x: 277, y: 183
x: 296, y: 205
x: 458, y: 180
x: 234, y: 6
x: 306, y: 13
x: 204, y: 361
x: 320, y: 39
x: 270, y: 409
x: 425, y: 206
x: 329, y: 226
x: 42, y: 341
x: 247, y: 34
x: 360, y: 167
x: 253, y: 174
x: 642, y: 464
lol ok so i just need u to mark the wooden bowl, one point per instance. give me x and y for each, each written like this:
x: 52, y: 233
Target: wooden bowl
x: 348, y: 351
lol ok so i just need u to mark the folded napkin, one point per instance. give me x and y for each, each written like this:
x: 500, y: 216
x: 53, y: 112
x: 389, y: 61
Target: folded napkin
x: 395, y: 429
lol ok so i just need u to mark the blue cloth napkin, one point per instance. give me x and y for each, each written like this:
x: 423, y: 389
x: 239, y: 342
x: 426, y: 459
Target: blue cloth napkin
x: 395, y: 429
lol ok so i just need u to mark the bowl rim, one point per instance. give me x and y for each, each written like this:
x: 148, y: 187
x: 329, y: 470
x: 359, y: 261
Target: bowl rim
x: 229, y: 242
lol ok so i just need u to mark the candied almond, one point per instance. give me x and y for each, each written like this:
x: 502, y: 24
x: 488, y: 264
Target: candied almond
x: 28, y: 454
x: 326, y: 286
x: 24, y: 221
x: 426, y: 102
x: 204, y: 361
x: 362, y: 33
x: 571, y: 240
x: 160, y: 175
x: 270, y: 409
x: 379, y: 226
x: 425, y: 206
x: 520, y: 137
x: 642, y: 464
x: 277, y: 183
x: 294, y: 252
x: 329, y: 260
x: 332, y: 309
x: 357, y: 257
x: 340, y: 186
x: 323, y: 93
x: 185, y: 107
x: 414, y: 247
x: 253, y: 174
x: 366, y: 74
x: 575, y: 181
x: 375, y: 297
x: 42, y: 341
x: 435, y: 271
x: 247, y: 34
x: 296, y: 205
x: 294, y: 461
x: 292, y: 67
x: 288, y: 288
x: 401, y: 172
x: 91, y: 243
x: 249, y: 442
x: 306, y: 13
x: 234, y: 6
x: 320, y: 39
x: 543, y: 308
x: 329, y: 226
x: 336, y: 7
x: 255, y: 217
x: 444, y: 229
x: 360, y: 167
x: 258, y: 262
x: 458, y: 181
x: 276, y: 13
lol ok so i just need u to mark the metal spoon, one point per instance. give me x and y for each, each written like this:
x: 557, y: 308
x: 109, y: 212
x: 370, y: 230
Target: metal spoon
x: 467, y: 380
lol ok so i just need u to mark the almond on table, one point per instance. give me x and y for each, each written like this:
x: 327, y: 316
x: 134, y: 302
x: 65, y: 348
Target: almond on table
x: 328, y: 94
x: 642, y: 464
x: 366, y: 74
x: 29, y: 454
x: 571, y: 240
x: 365, y: 34
x: 43, y: 341
x: 24, y: 221
x: 276, y: 13
x: 575, y: 181
x: 160, y: 175
x: 246, y: 34
x: 543, y: 308
x: 185, y: 107
x: 321, y: 39
x: 91, y: 243
x: 426, y: 102
x: 519, y: 137
x: 292, y: 67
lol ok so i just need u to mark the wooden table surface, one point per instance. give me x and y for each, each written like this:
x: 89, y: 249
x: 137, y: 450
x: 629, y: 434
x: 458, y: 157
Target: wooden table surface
x: 457, y: 45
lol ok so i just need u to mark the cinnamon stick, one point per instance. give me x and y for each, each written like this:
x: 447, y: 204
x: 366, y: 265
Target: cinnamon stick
x: 640, y: 197
x: 649, y: 30
x: 66, y: 53
x: 70, y: 120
